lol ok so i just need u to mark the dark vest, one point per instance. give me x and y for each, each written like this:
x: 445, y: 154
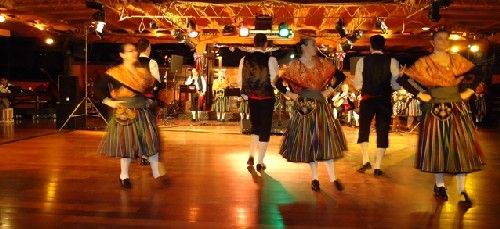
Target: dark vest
x: 198, y: 82
x: 256, y: 80
x: 144, y: 62
x: 377, y: 75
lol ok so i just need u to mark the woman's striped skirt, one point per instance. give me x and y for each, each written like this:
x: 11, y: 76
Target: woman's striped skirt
x: 221, y: 104
x: 447, y: 140
x: 315, y: 136
x: 133, y: 140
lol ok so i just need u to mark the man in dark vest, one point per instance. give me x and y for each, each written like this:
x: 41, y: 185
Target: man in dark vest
x: 375, y: 76
x: 144, y: 49
x: 258, y: 71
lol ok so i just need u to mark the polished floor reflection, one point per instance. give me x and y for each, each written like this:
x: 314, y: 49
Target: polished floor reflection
x: 54, y: 179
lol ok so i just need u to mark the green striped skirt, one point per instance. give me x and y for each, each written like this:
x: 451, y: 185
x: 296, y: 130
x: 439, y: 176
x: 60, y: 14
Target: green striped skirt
x: 447, y: 140
x: 312, y: 133
x: 133, y: 138
x: 244, y: 107
x: 221, y: 104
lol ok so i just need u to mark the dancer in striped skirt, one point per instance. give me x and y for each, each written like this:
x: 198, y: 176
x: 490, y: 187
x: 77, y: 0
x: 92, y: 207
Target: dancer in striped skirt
x: 312, y: 134
x: 447, y: 141
x: 221, y: 101
x: 131, y: 132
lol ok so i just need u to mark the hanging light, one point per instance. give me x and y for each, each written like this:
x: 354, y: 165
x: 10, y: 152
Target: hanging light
x: 283, y: 30
x: 474, y: 48
x: 191, y: 28
x: 49, y: 41
x: 381, y: 25
x: 244, y: 32
x: 340, y: 27
x: 2, y: 18
x: 455, y: 49
x: 99, y: 20
x: 426, y: 28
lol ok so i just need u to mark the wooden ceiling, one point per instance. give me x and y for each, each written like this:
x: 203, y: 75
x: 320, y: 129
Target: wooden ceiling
x: 127, y: 20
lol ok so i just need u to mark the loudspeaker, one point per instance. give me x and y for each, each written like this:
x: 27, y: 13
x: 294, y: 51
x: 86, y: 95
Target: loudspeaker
x: 176, y: 63
x: 352, y: 64
x: 69, y: 89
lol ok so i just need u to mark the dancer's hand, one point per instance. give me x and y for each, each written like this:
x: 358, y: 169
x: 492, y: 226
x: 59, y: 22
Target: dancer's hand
x: 467, y: 94
x: 245, y: 97
x: 112, y: 103
x: 292, y: 96
x: 424, y: 97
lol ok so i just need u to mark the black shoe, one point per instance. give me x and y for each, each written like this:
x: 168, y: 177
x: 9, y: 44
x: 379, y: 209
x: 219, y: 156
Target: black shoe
x: 260, y: 167
x: 377, y: 172
x: 440, y: 193
x: 366, y: 166
x: 250, y: 161
x: 125, y: 183
x: 467, y: 203
x: 144, y: 161
x: 315, y: 185
x: 338, y: 185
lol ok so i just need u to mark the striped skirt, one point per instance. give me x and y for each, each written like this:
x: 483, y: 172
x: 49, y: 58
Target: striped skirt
x: 447, y: 140
x: 244, y: 107
x: 133, y: 140
x: 414, y: 108
x: 221, y: 104
x: 315, y: 136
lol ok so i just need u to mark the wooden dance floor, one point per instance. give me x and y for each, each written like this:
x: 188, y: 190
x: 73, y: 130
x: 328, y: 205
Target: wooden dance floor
x: 57, y: 180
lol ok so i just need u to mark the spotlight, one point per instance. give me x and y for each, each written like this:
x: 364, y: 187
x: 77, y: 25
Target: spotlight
x: 426, y: 28
x: 455, y: 37
x: 381, y: 25
x: 354, y: 37
x: 49, y: 41
x: 340, y: 27
x: 244, y: 32
x: 434, y: 15
x: 191, y: 28
x: 283, y: 30
x: 99, y: 18
x: 474, y: 48
x: 454, y: 49
x: 292, y: 56
x: 152, y: 25
x: 346, y: 44
x: 2, y: 18
x: 228, y: 29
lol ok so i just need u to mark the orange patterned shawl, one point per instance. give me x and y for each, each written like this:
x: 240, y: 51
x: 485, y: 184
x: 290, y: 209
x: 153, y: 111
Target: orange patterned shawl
x: 429, y: 73
x: 298, y: 76
x: 139, y: 83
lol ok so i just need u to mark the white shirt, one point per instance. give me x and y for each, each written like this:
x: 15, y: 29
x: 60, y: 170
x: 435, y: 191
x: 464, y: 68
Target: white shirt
x: 358, y: 77
x: 203, y: 85
x: 272, y: 65
x: 153, y: 67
